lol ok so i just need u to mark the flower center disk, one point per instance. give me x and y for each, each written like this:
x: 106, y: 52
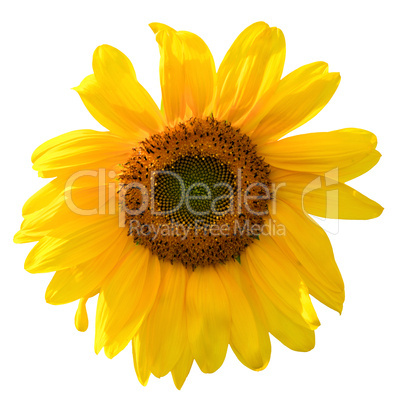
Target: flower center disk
x: 195, y: 190
x: 192, y: 193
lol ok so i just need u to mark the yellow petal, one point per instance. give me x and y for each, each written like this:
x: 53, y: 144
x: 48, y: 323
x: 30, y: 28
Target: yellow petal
x: 187, y: 62
x: 25, y: 237
x: 115, y: 75
x: 109, y: 115
x: 278, y: 278
x: 200, y: 74
x: 326, y: 197
x: 357, y: 169
x: 320, y: 152
x: 81, y: 316
x: 142, y: 368
x: 345, y: 173
x: 74, y: 283
x: 117, y: 117
x: 241, y: 275
x: 82, y: 149
x: 292, y: 335
x: 158, y: 26
x: 68, y: 206
x: 38, y: 224
x: 252, y: 66
x: 72, y: 244
x: 245, y: 338
x: 312, y: 248
x: 298, y: 98
x: 172, y: 75
x: 53, y: 190
x: 44, y: 196
x: 208, y: 318
x: 116, y: 337
x: 166, y: 332
x: 182, y: 369
x: 121, y: 295
x: 112, y: 68
x: 283, y: 328
x: 292, y: 82
x: 79, y: 197
x: 71, y: 138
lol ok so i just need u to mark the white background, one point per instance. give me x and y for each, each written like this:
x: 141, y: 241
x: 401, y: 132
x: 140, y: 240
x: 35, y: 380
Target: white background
x: 46, y: 49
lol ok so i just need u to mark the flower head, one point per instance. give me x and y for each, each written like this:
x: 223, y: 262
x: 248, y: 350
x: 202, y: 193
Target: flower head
x: 191, y: 221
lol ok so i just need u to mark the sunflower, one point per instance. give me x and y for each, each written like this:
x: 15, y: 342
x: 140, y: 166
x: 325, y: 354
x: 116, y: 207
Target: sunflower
x: 191, y: 222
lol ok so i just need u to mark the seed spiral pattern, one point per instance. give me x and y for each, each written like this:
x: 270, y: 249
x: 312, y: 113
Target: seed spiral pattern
x: 198, y: 189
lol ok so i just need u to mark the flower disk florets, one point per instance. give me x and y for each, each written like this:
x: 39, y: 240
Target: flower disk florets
x: 196, y: 193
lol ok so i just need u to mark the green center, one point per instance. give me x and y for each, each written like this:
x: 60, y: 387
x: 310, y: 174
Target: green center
x: 195, y: 190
